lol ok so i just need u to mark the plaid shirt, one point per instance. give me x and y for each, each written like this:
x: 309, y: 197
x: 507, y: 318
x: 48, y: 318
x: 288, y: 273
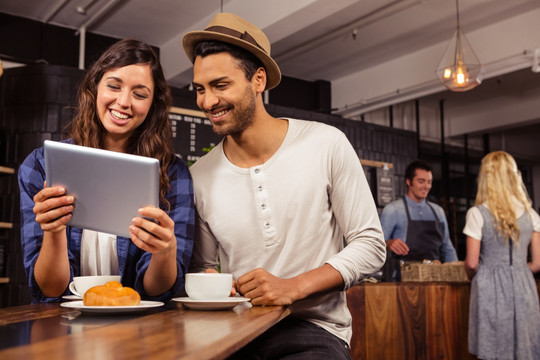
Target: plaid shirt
x: 132, y: 261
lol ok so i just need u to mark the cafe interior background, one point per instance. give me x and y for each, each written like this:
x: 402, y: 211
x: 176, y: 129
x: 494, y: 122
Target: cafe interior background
x: 373, y: 68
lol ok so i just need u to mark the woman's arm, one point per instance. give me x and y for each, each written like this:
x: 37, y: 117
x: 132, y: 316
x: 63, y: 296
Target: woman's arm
x: 170, y: 242
x: 44, y: 213
x: 534, y: 265
x: 52, y: 271
x: 53, y: 208
x: 473, y: 256
x: 159, y: 240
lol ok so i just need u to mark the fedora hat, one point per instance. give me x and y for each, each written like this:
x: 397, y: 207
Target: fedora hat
x: 232, y: 29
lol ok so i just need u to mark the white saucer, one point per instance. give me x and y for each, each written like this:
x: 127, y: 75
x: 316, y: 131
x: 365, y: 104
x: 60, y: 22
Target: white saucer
x: 144, y: 305
x: 221, y: 304
x: 72, y: 297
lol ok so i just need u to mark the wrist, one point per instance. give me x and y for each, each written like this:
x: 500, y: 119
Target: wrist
x: 168, y: 254
x: 299, y: 289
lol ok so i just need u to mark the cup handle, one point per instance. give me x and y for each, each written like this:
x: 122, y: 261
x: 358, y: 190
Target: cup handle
x: 72, y: 288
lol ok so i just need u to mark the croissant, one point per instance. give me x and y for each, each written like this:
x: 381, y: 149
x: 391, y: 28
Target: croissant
x: 111, y: 294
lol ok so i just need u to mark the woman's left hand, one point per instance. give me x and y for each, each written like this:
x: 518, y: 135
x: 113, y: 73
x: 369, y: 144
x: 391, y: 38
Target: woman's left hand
x: 155, y: 237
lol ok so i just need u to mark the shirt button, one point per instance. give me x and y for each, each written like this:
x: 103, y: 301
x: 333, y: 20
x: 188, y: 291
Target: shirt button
x: 257, y: 171
x: 263, y: 206
x: 260, y: 188
x: 267, y: 226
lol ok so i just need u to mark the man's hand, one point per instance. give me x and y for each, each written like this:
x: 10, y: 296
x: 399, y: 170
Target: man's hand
x: 397, y: 246
x: 264, y: 288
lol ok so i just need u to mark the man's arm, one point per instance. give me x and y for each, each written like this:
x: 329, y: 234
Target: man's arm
x: 389, y: 224
x: 264, y: 288
x: 205, y: 248
x: 364, y: 253
x: 354, y: 208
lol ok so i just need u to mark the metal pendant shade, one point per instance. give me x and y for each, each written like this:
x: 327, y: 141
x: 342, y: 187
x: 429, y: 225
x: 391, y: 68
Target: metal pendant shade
x: 460, y: 69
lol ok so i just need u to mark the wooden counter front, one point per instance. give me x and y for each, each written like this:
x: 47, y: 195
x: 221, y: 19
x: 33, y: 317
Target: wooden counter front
x: 410, y: 320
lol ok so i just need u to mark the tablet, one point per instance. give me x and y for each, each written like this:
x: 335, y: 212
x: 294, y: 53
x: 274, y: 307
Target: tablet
x: 109, y: 187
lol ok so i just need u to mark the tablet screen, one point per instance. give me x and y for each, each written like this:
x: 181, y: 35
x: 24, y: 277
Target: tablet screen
x: 109, y: 187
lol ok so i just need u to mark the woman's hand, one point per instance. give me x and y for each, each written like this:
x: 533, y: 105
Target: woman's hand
x: 53, y: 208
x: 155, y: 237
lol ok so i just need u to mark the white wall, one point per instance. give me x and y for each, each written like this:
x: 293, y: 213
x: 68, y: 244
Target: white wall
x: 413, y: 75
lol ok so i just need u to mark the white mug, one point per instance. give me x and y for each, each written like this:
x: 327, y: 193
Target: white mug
x: 81, y: 284
x: 208, y: 286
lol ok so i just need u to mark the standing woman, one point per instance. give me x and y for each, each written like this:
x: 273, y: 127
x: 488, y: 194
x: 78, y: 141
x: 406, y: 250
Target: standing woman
x: 504, y: 312
x: 123, y: 105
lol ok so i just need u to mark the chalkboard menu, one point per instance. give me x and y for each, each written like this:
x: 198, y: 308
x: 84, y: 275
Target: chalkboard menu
x: 192, y: 133
x: 385, y: 186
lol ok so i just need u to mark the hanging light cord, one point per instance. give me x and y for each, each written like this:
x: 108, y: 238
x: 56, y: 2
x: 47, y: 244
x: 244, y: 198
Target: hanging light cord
x: 458, y: 38
x: 457, y: 12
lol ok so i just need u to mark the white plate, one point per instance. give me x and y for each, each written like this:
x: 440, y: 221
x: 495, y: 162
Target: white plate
x: 144, y: 305
x: 223, y: 304
x: 72, y: 297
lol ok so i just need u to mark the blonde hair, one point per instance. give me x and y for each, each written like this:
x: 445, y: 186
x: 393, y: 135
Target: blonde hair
x: 499, y: 183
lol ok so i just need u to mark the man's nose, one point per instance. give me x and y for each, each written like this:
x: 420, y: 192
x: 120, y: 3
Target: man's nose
x: 209, y: 100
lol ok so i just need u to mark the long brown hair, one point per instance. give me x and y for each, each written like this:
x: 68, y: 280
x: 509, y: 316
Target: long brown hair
x: 153, y: 138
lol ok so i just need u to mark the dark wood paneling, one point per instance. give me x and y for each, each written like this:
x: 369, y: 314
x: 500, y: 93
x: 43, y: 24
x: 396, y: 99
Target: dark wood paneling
x: 34, y: 105
x: 358, y: 312
x: 416, y: 321
x: 412, y: 301
x: 410, y: 321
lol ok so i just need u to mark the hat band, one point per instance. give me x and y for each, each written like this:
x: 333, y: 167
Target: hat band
x: 237, y: 34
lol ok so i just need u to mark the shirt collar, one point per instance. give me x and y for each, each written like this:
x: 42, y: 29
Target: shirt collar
x: 411, y: 202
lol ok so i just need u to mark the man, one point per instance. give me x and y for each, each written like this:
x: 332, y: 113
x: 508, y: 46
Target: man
x: 415, y: 229
x: 283, y: 204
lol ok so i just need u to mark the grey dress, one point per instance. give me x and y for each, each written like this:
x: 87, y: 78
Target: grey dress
x: 504, y: 312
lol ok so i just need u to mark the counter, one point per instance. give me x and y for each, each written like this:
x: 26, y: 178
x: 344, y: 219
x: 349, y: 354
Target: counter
x: 410, y: 320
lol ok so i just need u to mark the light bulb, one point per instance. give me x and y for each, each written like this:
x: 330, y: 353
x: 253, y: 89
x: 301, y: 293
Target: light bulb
x: 447, y: 73
x: 460, y: 76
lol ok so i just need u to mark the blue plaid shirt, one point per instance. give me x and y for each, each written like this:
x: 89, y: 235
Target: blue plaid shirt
x: 132, y: 261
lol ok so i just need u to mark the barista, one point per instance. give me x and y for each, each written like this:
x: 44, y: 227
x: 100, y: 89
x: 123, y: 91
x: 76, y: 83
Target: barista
x: 414, y: 228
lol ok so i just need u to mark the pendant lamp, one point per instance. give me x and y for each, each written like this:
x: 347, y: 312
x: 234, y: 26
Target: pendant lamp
x: 460, y: 69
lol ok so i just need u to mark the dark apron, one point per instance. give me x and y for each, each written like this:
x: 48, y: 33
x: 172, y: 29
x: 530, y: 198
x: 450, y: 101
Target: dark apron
x: 424, y: 237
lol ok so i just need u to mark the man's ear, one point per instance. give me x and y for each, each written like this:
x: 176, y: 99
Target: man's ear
x: 259, y: 79
x: 408, y: 183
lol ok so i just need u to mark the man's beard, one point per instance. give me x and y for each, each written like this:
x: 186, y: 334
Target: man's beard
x: 242, y: 116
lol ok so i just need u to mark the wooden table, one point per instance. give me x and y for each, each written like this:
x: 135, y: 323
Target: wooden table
x: 48, y: 331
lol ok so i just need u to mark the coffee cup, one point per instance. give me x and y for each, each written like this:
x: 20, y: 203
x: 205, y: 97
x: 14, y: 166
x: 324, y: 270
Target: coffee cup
x: 208, y: 286
x: 80, y: 284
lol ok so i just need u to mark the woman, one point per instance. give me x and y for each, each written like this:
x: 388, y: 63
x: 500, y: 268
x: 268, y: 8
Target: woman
x: 123, y: 105
x: 504, y: 313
